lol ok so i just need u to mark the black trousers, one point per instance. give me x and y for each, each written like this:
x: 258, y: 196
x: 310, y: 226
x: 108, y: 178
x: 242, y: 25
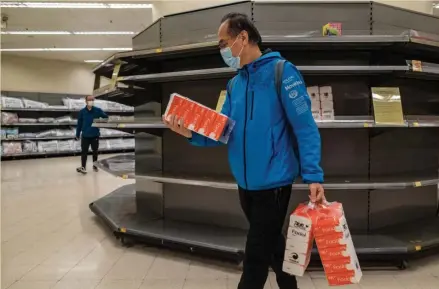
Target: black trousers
x: 266, y: 211
x: 86, y: 142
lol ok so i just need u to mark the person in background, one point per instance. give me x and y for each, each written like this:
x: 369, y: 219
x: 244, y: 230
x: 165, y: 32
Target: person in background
x: 262, y: 155
x: 89, y: 134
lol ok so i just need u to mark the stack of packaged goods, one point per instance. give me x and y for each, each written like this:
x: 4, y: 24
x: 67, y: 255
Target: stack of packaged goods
x: 66, y: 146
x: 12, y: 133
x: 11, y: 102
x: 327, y: 224
x: 11, y: 148
x: 199, y: 118
x: 299, y: 243
x: 48, y: 146
x: 335, y: 246
x: 30, y: 147
x: 322, y: 102
x: 27, y: 103
x: 9, y: 118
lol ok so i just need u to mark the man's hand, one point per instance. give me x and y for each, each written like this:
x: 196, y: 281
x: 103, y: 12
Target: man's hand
x: 176, y: 125
x: 317, y: 193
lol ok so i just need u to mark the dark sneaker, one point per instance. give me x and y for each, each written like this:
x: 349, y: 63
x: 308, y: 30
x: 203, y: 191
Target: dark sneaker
x: 95, y: 168
x: 81, y: 170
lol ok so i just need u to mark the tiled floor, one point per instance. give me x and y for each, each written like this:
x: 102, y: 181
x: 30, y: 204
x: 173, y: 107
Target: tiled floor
x: 50, y: 239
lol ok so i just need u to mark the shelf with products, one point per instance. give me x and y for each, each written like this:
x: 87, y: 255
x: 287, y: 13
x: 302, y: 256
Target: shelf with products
x: 396, y: 43
x: 337, y: 122
x: 385, y: 175
x: 60, y: 138
x: 61, y: 153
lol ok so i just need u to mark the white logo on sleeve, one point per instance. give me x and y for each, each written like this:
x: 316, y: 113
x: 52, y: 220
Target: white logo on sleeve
x: 293, y: 85
x: 293, y: 94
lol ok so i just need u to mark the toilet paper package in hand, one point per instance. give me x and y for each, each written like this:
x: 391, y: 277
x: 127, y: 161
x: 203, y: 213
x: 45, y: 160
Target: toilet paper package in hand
x: 199, y: 118
x: 327, y: 225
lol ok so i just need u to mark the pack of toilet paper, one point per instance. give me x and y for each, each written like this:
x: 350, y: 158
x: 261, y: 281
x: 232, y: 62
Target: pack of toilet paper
x: 327, y: 225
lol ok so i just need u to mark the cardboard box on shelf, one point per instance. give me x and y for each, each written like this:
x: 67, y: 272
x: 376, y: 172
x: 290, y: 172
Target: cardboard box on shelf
x: 326, y: 105
x: 326, y: 93
x: 327, y: 114
x: 313, y: 92
x: 316, y: 114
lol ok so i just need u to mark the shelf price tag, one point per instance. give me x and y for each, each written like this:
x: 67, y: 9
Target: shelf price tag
x: 366, y: 124
x: 158, y: 50
x: 416, y: 124
x: 123, y: 230
x: 417, y: 65
x: 125, y: 177
x: 121, y: 125
x: 387, y: 106
x: 418, y: 247
x: 417, y: 184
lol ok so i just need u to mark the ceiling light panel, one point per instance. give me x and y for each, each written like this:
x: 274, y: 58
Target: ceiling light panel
x: 83, y: 5
x: 62, y: 49
x: 25, y: 32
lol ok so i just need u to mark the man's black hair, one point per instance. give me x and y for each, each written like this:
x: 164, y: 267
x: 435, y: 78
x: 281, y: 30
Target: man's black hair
x: 239, y: 22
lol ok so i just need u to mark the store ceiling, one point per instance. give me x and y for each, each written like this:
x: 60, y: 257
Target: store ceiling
x: 68, y: 20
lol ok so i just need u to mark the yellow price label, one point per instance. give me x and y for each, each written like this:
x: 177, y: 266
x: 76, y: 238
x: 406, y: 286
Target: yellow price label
x: 221, y: 100
x: 416, y: 124
x: 123, y: 230
x: 366, y: 124
x: 125, y: 177
x: 418, y: 184
x: 158, y: 50
x: 121, y: 125
x: 418, y: 248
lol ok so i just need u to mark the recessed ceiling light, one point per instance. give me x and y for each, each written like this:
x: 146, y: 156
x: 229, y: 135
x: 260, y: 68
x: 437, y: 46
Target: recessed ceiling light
x: 25, y: 32
x: 93, y: 61
x: 63, y: 49
x: 84, y: 5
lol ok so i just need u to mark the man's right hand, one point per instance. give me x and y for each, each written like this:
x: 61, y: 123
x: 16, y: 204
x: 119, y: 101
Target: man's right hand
x: 176, y: 125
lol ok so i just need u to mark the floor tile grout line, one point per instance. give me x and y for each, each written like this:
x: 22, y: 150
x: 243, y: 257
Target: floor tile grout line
x: 85, y: 256
x: 114, y: 264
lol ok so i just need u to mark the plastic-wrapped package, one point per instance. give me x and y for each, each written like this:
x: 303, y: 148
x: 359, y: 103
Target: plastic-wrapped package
x: 27, y: 103
x: 27, y: 120
x: 77, y: 145
x: 103, y: 144
x: 12, y: 133
x: 11, y: 147
x: 125, y: 107
x: 63, y: 119
x: 102, y: 104
x: 46, y: 119
x: 117, y: 143
x: 27, y: 135
x: 8, y: 117
x: 75, y: 104
x: 3, y: 133
x: 60, y: 107
x: 66, y: 145
x: 11, y: 102
x: 48, y: 146
x: 47, y: 133
x: 129, y: 143
x: 105, y: 132
x: 30, y: 147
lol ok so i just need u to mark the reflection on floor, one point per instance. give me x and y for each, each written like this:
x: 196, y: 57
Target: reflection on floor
x: 50, y: 239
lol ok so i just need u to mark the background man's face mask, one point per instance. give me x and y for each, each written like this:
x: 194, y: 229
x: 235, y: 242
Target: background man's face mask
x: 90, y: 102
x: 229, y: 59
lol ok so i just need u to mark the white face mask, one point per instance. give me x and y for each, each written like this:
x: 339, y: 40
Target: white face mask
x: 90, y: 102
x: 229, y: 59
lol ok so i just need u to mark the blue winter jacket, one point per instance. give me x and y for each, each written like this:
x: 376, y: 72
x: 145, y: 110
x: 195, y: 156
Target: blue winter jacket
x: 261, y: 146
x: 85, y: 121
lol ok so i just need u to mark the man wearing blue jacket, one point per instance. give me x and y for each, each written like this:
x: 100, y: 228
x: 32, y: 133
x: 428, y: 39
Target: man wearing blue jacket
x: 90, y: 135
x: 275, y: 140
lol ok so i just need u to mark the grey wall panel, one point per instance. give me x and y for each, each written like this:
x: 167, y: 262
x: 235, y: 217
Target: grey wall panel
x: 298, y: 18
x: 197, y: 26
x: 204, y: 205
x: 148, y: 38
x: 393, y: 16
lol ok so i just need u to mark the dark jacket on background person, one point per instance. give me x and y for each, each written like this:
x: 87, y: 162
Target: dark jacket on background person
x: 261, y: 153
x: 85, y: 121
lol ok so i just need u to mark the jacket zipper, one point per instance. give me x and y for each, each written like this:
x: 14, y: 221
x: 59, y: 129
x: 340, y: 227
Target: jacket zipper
x: 253, y: 101
x: 245, y: 130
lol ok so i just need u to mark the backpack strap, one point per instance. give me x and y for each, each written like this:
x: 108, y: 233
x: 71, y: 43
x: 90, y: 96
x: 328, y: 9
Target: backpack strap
x: 230, y: 85
x: 278, y: 74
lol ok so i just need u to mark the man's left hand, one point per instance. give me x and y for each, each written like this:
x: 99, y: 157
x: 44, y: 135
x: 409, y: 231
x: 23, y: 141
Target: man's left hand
x: 317, y: 193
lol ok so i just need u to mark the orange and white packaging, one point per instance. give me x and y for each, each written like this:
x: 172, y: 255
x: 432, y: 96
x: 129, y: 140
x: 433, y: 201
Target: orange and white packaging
x: 200, y: 118
x: 217, y: 127
x: 335, y: 245
x: 174, y: 105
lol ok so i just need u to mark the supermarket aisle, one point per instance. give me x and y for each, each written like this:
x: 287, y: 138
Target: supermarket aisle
x: 51, y: 240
